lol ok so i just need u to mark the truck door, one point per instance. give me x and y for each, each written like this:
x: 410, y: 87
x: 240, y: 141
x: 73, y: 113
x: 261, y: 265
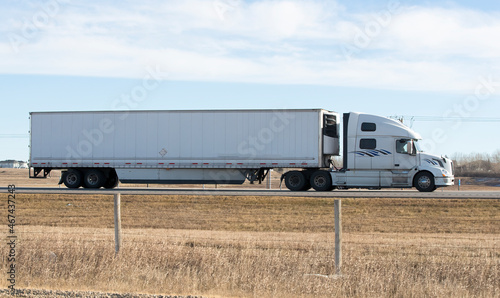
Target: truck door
x: 405, y: 157
x: 405, y: 160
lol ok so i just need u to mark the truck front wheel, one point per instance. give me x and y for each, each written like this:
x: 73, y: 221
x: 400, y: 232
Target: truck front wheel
x: 295, y: 181
x: 321, y: 181
x: 72, y: 178
x: 424, y: 182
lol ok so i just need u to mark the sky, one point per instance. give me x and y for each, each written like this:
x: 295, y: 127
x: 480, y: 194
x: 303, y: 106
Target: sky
x: 437, y: 63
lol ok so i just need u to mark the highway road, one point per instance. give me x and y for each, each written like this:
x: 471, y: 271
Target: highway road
x: 438, y: 194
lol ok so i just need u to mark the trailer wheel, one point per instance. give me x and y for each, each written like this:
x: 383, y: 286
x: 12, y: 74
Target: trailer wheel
x: 424, y: 182
x: 295, y: 181
x: 112, y: 180
x: 72, y: 178
x: 307, y: 185
x: 321, y: 181
x: 94, y: 179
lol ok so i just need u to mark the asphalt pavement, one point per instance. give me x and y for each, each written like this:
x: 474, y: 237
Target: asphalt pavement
x: 352, y: 193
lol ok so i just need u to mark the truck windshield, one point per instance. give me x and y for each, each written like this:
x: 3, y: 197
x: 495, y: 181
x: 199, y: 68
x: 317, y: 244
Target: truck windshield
x: 417, y: 146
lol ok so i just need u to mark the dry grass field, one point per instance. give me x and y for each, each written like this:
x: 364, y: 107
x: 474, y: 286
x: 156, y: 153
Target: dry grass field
x: 259, y: 246
x: 255, y: 246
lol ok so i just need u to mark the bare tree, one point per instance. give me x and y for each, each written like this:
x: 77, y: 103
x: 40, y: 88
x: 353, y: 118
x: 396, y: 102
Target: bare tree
x: 477, y: 164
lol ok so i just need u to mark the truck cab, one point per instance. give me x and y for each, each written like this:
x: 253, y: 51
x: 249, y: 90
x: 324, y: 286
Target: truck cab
x: 384, y: 153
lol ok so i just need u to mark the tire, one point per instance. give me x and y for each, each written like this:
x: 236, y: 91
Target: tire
x: 307, y: 185
x: 112, y: 180
x: 94, y: 179
x: 424, y: 182
x: 295, y: 181
x: 72, y: 178
x: 321, y: 181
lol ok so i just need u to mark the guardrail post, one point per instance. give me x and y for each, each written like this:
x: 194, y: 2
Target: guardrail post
x: 269, y: 179
x: 118, y: 223
x: 338, y: 236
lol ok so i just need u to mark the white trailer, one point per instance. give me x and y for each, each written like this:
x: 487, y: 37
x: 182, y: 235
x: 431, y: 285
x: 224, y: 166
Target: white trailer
x: 98, y: 149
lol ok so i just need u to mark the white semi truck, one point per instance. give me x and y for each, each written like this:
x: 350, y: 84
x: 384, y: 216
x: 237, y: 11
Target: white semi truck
x: 100, y: 149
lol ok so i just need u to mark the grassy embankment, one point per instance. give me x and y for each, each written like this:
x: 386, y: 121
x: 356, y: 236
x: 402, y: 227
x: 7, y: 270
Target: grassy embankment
x: 259, y: 246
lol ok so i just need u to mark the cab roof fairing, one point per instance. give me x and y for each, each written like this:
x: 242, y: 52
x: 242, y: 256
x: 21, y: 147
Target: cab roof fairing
x: 385, y: 126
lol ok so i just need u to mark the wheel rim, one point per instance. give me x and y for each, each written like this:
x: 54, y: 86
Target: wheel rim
x: 294, y: 180
x: 319, y: 181
x: 71, y: 178
x: 424, y: 182
x: 92, y: 179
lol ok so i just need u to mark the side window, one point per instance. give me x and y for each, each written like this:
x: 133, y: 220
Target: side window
x: 402, y: 146
x: 367, y: 143
x: 368, y: 126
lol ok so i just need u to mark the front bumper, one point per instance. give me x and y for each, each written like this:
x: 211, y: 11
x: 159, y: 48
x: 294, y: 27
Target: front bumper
x: 445, y: 181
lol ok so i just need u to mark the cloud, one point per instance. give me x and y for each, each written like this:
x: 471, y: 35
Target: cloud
x: 268, y: 41
x: 444, y: 32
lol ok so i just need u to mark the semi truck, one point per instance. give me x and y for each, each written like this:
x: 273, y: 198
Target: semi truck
x: 97, y: 149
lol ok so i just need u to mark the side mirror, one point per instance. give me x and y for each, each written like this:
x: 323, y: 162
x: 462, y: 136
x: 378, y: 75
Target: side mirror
x: 411, y: 148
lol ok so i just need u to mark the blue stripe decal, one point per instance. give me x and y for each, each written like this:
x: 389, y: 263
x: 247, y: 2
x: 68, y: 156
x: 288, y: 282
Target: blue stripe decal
x: 431, y: 162
x: 372, y: 153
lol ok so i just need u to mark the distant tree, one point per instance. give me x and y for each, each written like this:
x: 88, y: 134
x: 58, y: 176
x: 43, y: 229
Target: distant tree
x: 477, y: 164
x: 496, y: 156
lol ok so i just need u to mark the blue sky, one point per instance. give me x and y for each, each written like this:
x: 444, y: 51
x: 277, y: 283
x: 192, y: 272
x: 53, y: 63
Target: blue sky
x: 412, y: 58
